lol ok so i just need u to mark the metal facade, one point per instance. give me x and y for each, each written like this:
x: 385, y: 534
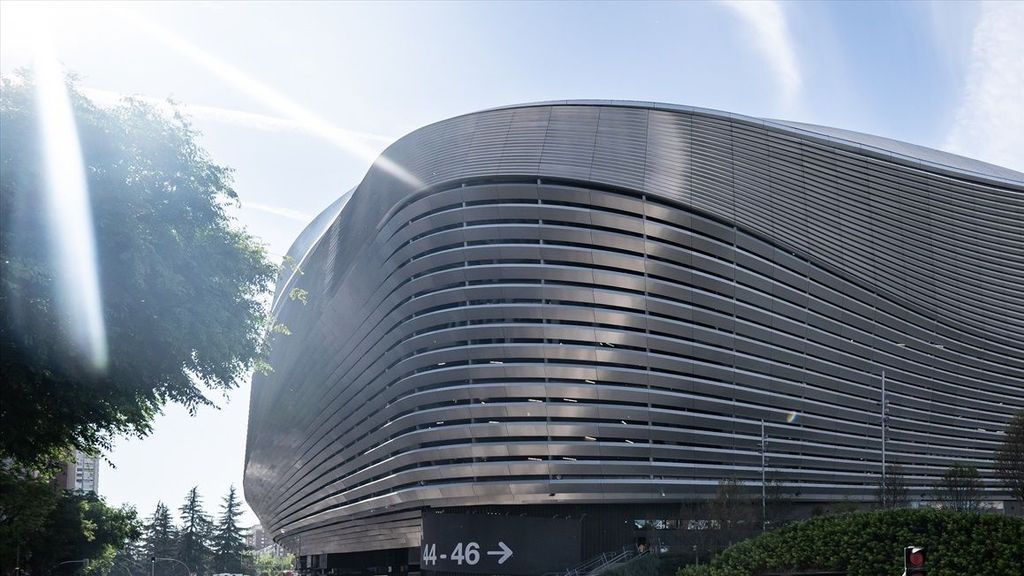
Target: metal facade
x: 580, y: 302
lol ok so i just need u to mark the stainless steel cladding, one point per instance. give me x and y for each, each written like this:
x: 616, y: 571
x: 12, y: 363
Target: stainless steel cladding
x: 599, y: 302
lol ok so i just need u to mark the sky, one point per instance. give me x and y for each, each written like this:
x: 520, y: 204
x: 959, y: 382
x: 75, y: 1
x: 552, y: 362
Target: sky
x: 299, y: 98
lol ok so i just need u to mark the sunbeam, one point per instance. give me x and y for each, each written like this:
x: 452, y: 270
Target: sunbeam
x: 270, y: 97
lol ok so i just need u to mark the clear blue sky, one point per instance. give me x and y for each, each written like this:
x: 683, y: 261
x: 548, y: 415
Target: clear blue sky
x: 299, y: 97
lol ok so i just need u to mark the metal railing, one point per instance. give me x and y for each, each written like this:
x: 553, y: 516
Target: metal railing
x: 598, y: 563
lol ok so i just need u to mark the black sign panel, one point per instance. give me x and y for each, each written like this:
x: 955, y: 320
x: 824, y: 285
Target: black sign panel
x: 497, y: 544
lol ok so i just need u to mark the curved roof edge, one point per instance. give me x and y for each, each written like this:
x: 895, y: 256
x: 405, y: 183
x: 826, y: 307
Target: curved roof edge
x: 908, y: 153
x: 305, y: 241
x: 913, y: 155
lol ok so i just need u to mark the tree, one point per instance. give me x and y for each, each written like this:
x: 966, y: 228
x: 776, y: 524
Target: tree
x: 161, y: 540
x: 1010, y: 458
x: 270, y: 565
x: 26, y: 503
x: 960, y: 489
x: 131, y: 559
x: 779, y: 508
x: 893, y: 492
x: 77, y: 526
x: 733, y: 513
x: 229, y: 538
x: 182, y: 287
x: 194, y: 536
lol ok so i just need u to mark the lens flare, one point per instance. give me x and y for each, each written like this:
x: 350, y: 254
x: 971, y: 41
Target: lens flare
x: 69, y: 215
x: 270, y: 97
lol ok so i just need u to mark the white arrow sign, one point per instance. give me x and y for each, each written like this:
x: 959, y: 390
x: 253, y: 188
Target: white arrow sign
x: 505, y: 552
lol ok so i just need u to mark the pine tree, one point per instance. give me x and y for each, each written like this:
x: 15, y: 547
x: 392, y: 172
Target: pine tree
x: 161, y: 541
x: 194, y: 536
x: 131, y: 559
x: 228, y: 537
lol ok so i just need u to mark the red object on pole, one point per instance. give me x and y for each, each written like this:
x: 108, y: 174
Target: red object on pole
x: 914, y: 561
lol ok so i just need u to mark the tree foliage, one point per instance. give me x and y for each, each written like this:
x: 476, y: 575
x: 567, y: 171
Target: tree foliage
x: 161, y: 540
x: 1010, y: 458
x: 131, y: 559
x: 229, y: 537
x: 26, y: 504
x: 892, y: 490
x: 871, y: 543
x: 960, y: 489
x: 199, y: 543
x: 182, y: 287
x: 44, y: 528
x: 779, y: 508
x: 733, y: 513
x: 195, y: 534
x: 270, y: 565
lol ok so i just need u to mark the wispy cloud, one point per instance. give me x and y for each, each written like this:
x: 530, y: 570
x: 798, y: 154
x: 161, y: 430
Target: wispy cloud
x: 767, y: 23
x: 989, y: 122
x: 278, y: 211
x: 231, y: 117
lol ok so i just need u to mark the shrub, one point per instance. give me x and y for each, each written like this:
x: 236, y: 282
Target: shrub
x: 871, y: 543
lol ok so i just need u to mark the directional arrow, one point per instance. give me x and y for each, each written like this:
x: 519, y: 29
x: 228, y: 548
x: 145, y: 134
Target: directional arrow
x: 505, y: 552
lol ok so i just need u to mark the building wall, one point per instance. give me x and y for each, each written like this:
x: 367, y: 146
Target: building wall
x: 87, y: 473
x: 572, y: 303
x: 64, y: 478
x: 80, y: 474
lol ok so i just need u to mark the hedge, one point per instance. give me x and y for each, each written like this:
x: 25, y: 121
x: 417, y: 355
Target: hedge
x: 871, y: 544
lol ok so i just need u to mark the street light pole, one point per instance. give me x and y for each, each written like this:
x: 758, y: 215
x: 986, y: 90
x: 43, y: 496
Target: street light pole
x: 188, y: 571
x: 764, y: 505
x: 885, y: 424
x: 59, y: 564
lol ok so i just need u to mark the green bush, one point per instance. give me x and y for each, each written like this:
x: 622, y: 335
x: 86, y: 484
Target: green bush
x: 871, y: 544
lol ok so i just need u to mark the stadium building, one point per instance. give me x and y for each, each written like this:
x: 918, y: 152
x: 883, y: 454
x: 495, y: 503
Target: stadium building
x: 541, y: 332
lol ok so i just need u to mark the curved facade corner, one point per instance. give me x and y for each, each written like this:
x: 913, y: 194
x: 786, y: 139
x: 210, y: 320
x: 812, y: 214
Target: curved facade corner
x: 598, y: 307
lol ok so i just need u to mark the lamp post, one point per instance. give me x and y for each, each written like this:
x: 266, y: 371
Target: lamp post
x: 885, y: 424
x: 188, y: 571
x: 83, y: 561
x: 764, y: 499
